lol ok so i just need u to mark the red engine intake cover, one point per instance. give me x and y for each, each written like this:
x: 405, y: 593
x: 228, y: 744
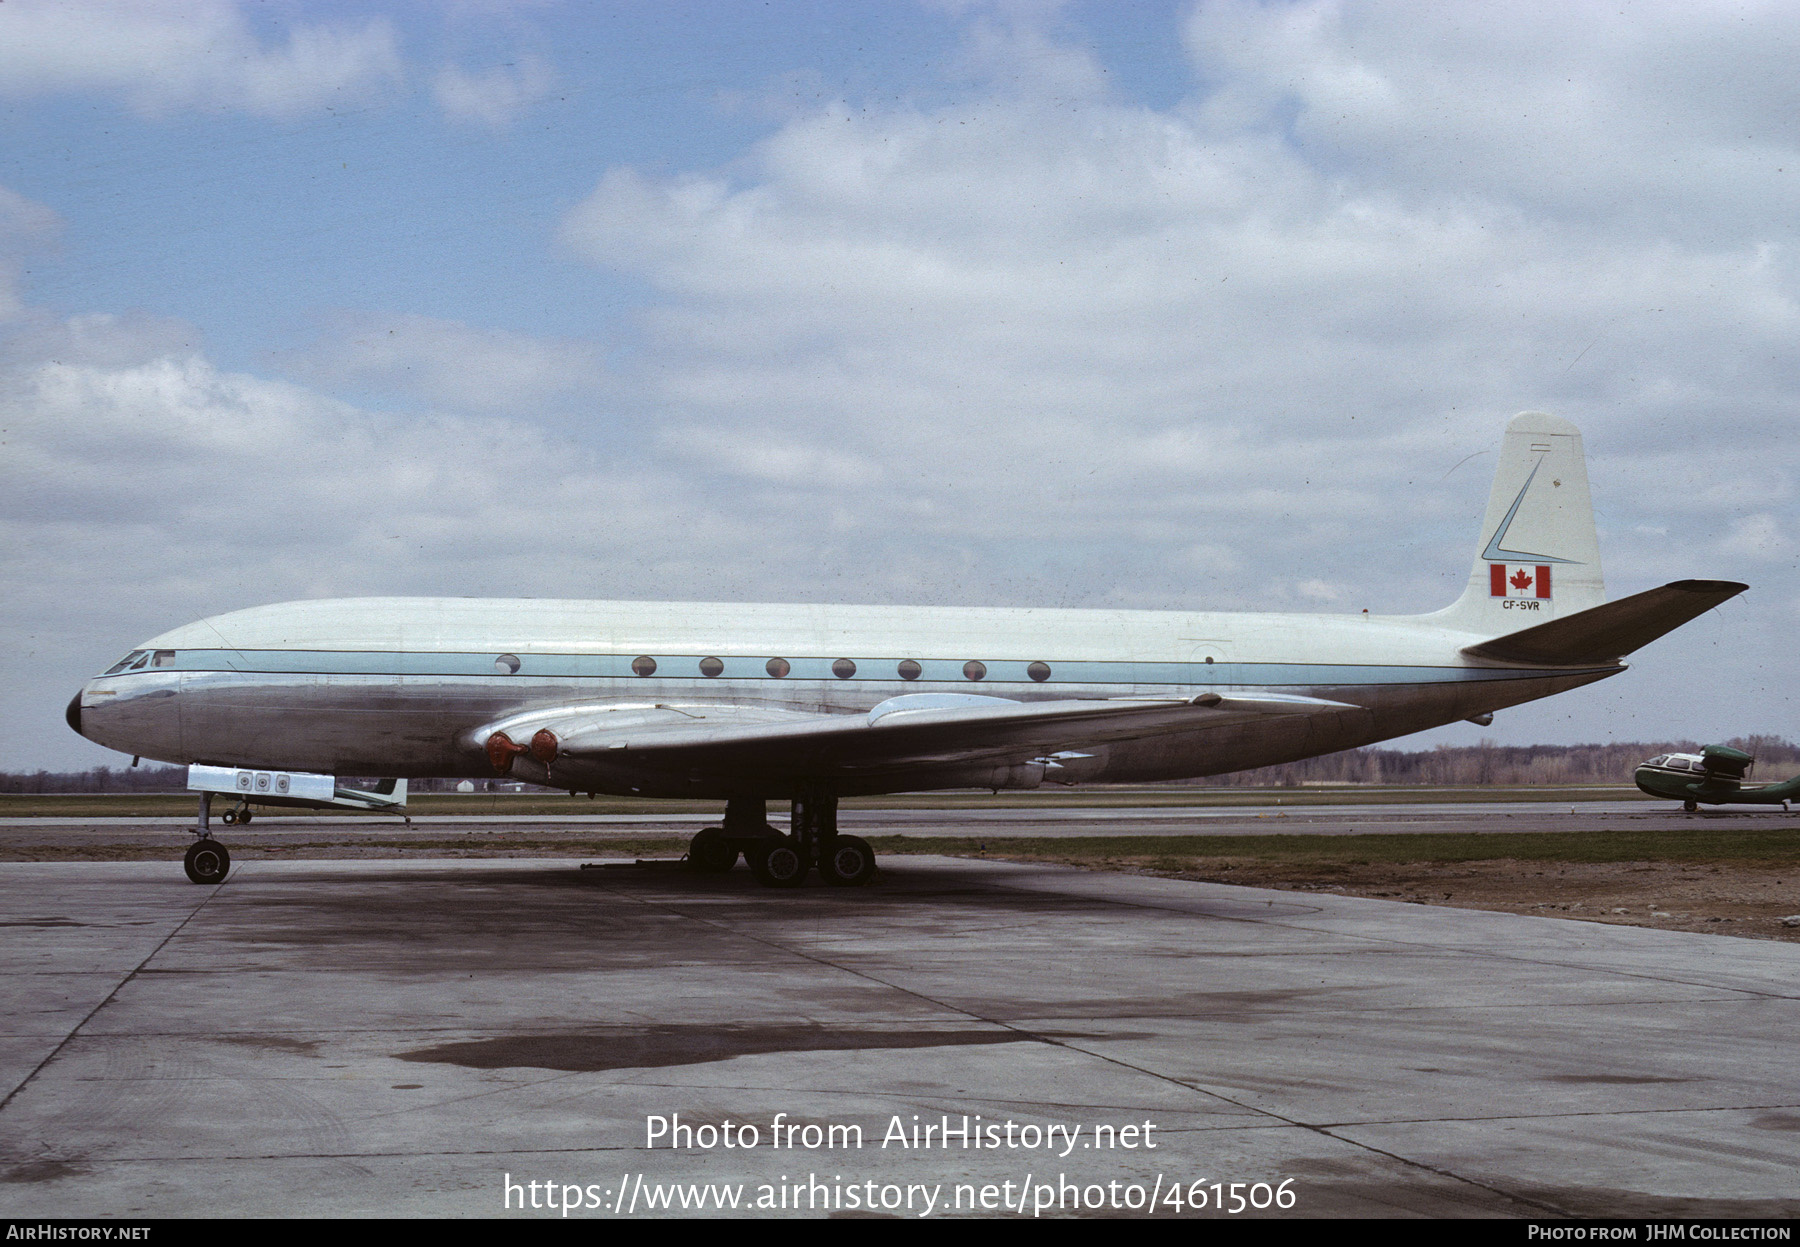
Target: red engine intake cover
x: 501, y: 751
x: 544, y: 746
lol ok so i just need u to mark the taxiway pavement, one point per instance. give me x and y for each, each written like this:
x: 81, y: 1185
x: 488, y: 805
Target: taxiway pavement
x: 378, y: 1037
x: 279, y: 829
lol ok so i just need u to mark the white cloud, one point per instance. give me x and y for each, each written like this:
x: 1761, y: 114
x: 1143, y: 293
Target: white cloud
x: 1025, y: 304
x: 732, y: 452
x: 1012, y: 48
x: 163, y: 56
x: 240, y: 472
x: 1758, y: 538
x: 97, y: 338
x: 25, y: 227
x: 1664, y: 116
x: 449, y: 364
x: 494, y: 97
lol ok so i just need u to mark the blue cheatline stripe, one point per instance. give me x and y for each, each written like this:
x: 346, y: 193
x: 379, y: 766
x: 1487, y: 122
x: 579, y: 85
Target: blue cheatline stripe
x: 737, y: 668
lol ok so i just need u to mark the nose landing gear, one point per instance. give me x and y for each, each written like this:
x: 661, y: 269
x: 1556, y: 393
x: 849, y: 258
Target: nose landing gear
x: 207, y: 860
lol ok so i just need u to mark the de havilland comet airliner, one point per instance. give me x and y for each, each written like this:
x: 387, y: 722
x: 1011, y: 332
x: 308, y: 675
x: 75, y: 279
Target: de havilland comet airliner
x: 809, y: 703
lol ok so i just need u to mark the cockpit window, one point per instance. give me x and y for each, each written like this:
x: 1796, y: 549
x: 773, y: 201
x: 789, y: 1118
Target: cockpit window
x: 163, y: 658
x: 1679, y: 764
x: 1658, y: 760
x: 124, y: 662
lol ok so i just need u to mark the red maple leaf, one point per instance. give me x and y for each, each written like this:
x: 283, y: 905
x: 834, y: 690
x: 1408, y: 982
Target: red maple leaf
x: 1520, y: 579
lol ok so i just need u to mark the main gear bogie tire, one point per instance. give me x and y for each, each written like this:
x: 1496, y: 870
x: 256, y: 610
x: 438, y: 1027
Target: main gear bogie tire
x: 848, y: 863
x: 779, y: 864
x: 710, y: 853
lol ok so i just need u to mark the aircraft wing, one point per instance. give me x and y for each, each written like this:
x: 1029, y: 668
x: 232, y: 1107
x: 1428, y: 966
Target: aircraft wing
x: 905, y: 732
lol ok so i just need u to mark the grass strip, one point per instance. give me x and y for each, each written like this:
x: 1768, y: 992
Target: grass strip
x: 1768, y: 846
x: 1771, y: 845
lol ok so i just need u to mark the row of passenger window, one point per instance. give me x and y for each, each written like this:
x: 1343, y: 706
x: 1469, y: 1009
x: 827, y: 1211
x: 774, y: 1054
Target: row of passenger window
x: 509, y: 664
x: 842, y: 668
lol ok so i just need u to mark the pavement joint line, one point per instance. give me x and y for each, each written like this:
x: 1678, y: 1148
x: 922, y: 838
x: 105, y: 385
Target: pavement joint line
x: 39, y: 1068
x: 1528, y: 1201
x: 1326, y: 1131
x: 1536, y: 1117
x: 1387, y: 1010
x: 1122, y: 1064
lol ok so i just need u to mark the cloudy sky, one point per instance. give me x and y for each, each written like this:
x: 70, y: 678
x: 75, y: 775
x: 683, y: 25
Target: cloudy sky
x: 1161, y: 305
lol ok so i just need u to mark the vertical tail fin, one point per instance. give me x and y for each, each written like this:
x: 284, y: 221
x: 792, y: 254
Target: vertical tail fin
x: 1539, y: 557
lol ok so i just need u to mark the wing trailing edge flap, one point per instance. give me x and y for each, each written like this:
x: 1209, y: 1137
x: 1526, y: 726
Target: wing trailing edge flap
x: 916, y: 727
x: 1604, y: 634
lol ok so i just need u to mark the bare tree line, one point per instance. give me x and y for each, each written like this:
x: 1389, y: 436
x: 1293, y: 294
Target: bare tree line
x: 1487, y: 763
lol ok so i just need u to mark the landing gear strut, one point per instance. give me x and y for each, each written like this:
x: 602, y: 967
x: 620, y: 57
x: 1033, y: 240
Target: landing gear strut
x: 239, y: 814
x: 780, y: 861
x: 206, y: 860
x: 843, y: 861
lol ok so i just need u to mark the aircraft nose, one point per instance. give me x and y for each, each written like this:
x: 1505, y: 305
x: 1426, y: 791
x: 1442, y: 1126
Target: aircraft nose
x: 73, y: 714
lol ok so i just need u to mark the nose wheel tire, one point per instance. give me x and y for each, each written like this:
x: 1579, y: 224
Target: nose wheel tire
x: 207, y: 862
x: 849, y: 863
x: 778, y: 865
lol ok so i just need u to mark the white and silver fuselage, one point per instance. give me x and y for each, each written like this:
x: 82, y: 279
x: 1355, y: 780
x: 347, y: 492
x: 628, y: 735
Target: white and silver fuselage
x: 406, y: 686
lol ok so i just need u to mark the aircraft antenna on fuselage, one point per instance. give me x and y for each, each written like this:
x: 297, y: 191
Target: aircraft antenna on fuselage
x: 212, y: 628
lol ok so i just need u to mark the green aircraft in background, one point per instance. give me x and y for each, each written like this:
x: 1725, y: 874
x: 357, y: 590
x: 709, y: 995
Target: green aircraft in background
x: 1715, y: 775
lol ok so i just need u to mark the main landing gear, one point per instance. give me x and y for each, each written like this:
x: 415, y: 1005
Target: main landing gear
x: 239, y: 814
x: 782, y: 861
x: 206, y: 860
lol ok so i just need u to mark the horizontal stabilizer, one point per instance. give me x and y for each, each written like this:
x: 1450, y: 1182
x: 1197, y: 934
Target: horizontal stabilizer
x: 1606, y: 633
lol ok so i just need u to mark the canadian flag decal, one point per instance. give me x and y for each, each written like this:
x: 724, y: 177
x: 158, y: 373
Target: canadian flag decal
x: 1507, y: 581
